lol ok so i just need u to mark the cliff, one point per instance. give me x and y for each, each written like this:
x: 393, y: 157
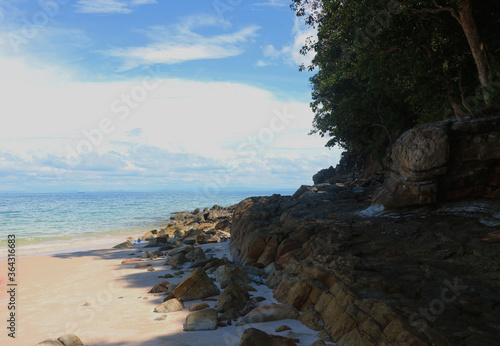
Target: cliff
x: 426, y: 273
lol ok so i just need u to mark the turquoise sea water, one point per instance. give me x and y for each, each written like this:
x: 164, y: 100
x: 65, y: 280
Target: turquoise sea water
x: 42, y: 218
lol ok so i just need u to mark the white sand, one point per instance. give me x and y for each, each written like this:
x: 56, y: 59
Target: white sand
x: 53, y: 289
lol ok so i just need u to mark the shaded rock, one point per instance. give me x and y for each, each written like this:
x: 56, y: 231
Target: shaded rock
x: 254, y: 337
x: 234, y: 296
x: 282, y: 328
x: 201, y: 320
x: 249, y: 288
x: 196, y: 254
x: 273, y: 312
x: 176, y: 260
x: 170, y: 305
x: 250, y: 305
x: 160, y: 287
x: 143, y: 265
x: 196, y: 286
x: 198, y: 306
x: 227, y: 274
x: 123, y: 245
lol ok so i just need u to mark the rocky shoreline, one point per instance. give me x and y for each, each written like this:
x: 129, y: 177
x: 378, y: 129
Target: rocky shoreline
x: 351, y: 274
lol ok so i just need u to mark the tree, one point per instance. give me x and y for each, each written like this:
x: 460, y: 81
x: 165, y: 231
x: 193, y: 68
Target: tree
x: 384, y: 66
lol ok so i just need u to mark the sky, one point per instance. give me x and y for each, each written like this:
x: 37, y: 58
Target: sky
x: 154, y: 95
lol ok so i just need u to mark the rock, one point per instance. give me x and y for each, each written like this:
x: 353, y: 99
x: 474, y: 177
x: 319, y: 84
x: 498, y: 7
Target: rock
x: 249, y: 288
x: 161, y: 318
x: 50, y: 343
x: 70, y: 340
x: 227, y: 274
x: 123, y: 245
x: 149, y: 235
x: 273, y: 312
x: 198, y: 306
x: 176, y: 260
x: 282, y: 328
x: 318, y: 342
x: 443, y: 161
x: 160, y: 287
x: 151, y: 269
x: 132, y: 260
x: 254, y: 337
x: 196, y: 286
x: 249, y: 306
x: 170, y: 305
x: 234, y: 296
x: 201, y: 320
x: 181, y: 249
x: 143, y: 265
x: 196, y: 254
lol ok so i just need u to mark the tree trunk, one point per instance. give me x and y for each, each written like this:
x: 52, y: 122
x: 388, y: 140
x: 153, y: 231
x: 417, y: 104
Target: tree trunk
x: 469, y: 27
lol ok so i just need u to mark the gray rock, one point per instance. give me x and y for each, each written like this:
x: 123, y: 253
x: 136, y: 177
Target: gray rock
x: 201, y: 320
x: 273, y: 312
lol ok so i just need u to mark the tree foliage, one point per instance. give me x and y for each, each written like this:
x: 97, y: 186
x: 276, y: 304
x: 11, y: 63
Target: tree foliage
x: 383, y: 66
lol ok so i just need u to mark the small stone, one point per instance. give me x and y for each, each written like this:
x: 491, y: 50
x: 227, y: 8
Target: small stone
x: 170, y: 305
x: 282, y: 328
x: 143, y: 265
x: 70, y: 340
x: 161, y: 318
x: 86, y: 304
x: 151, y: 269
x: 168, y: 276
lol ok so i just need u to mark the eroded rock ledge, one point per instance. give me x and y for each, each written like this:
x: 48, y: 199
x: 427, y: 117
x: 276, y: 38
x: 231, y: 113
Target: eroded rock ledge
x: 444, y: 161
x: 374, y: 280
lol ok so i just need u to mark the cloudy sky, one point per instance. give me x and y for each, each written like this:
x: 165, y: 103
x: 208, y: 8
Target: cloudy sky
x: 148, y: 95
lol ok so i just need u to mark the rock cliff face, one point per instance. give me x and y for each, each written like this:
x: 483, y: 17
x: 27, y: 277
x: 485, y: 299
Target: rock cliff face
x: 444, y: 161
x: 425, y: 277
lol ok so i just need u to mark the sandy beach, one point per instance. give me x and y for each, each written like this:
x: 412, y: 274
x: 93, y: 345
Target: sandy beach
x: 104, y: 302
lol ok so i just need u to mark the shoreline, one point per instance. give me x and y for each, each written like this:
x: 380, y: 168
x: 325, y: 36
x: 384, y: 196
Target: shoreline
x: 70, y: 245
x: 104, y: 297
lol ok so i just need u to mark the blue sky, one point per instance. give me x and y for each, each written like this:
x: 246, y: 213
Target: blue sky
x: 146, y: 95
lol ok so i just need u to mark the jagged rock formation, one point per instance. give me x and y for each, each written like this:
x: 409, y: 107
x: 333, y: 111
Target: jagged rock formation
x: 420, y: 278
x: 444, y: 161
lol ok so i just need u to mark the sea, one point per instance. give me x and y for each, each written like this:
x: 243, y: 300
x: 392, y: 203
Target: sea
x: 59, y: 222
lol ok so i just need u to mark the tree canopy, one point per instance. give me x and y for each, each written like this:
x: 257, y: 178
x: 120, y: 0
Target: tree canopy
x: 384, y: 66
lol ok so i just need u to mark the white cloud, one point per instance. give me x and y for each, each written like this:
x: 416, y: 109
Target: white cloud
x: 110, y: 6
x: 273, y: 3
x: 290, y: 54
x: 179, y: 43
x: 262, y: 63
x: 183, y: 133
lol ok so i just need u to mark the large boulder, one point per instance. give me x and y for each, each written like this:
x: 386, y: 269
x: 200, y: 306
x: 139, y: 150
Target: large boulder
x: 443, y: 161
x: 196, y: 286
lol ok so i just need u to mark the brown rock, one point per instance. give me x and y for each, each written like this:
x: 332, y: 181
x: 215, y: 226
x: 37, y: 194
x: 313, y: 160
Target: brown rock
x: 198, y: 306
x: 160, y: 287
x: 196, y: 286
x: 254, y: 337
x: 234, y: 296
